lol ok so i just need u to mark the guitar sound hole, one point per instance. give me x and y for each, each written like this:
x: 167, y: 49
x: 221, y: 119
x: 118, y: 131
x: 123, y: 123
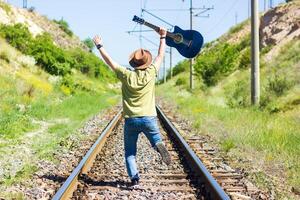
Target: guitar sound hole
x: 178, y: 38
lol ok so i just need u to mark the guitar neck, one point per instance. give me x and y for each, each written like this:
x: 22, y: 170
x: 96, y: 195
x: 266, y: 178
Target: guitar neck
x: 156, y: 28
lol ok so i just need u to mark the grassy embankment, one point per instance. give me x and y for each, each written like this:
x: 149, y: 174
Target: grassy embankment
x: 268, y: 135
x: 46, y: 94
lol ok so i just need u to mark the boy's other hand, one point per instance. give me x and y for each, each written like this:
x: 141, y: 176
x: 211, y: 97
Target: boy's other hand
x: 98, y: 40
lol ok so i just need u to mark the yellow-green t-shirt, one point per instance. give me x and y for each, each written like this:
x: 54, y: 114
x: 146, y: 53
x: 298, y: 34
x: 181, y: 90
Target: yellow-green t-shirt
x: 138, y: 91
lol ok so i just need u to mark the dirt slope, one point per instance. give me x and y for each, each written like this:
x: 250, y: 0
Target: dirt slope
x: 37, y: 24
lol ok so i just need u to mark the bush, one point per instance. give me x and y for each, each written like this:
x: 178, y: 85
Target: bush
x: 89, y: 43
x: 278, y: 84
x: 245, y: 43
x: 88, y: 63
x: 245, y: 59
x: 180, y: 67
x: 266, y: 49
x: 72, y: 84
x: 31, y: 9
x: 17, y: 35
x: 52, y: 58
x: 219, y: 61
x: 181, y: 81
x: 238, y: 96
x: 63, y: 25
x: 68, y: 82
x: 4, y: 56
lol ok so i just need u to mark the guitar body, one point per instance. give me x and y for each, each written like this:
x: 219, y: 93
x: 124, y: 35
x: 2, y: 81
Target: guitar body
x: 187, y: 42
x: 188, y: 51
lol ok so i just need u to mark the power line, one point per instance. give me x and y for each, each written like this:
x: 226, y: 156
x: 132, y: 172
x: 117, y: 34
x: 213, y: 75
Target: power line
x: 204, y: 10
x: 222, y: 18
x: 140, y: 38
x: 159, y: 18
x: 191, y: 9
x: 169, y: 10
x: 139, y: 31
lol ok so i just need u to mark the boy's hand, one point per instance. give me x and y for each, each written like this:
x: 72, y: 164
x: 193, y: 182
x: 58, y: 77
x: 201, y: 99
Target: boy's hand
x: 98, y: 40
x: 162, y: 32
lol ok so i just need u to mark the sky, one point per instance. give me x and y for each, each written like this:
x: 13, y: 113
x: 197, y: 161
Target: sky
x: 112, y: 19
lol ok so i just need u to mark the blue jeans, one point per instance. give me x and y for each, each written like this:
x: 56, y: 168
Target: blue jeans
x: 133, y: 127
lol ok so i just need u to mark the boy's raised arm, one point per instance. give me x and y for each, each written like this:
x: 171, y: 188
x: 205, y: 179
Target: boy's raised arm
x: 109, y: 61
x: 162, y: 46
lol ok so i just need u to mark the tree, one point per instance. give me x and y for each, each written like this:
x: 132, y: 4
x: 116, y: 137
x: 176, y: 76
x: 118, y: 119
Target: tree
x: 89, y: 43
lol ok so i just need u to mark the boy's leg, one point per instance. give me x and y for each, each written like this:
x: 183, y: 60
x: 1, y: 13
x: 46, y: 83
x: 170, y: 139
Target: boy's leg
x: 151, y: 131
x: 130, y: 145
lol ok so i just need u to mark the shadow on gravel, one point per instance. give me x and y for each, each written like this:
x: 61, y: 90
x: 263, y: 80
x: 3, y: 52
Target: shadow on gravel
x: 55, y: 178
x: 120, y: 184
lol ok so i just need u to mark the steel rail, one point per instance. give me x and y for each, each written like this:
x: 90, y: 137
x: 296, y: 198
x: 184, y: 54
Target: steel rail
x: 212, y: 188
x: 70, y: 185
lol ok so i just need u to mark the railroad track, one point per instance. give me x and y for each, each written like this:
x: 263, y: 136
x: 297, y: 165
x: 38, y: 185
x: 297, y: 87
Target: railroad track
x: 101, y: 173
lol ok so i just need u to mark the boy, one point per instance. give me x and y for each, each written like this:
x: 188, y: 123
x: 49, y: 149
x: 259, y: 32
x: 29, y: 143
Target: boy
x: 138, y: 98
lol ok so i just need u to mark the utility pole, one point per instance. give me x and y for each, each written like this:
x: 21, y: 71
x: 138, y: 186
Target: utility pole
x: 200, y: 14
x: 191, y: 59
x: 24, y: 3
x: 271, y: 3
x: 165, y: 71
x: 171, y: 67
x: 265, y: 5
x: 236, y: 18
x: 249, y: 4
x: 255, y: 87
x: 204, y: 9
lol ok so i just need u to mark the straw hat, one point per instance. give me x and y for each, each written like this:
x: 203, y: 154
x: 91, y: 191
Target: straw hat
x: 140, y: 59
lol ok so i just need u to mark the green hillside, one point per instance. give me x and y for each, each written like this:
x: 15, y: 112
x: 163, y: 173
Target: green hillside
x: 265, y: 138
x: 47, y: 91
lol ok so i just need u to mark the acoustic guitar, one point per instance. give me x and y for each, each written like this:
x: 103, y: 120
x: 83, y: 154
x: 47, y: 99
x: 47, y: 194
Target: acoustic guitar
x: 187, y: 42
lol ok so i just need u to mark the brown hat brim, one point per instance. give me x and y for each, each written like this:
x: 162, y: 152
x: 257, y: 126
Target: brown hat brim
x: 144, y: 66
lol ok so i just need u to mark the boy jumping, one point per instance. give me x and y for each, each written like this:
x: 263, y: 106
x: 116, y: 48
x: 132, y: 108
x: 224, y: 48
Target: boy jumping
x: 138, y: 97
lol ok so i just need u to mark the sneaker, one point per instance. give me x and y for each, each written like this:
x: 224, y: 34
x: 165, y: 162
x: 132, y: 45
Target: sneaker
x: 162, y: 150
x: 134, y: 183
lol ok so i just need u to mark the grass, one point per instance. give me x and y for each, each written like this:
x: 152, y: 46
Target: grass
x: 65, y: 113
x: 270, y: 133
x: 13, y: 195
x: 275, y: 135
x: 227, y: 144
x: 238, y: 27
x: 77, y: 109
x: 5, y: 7
x: 29, y: 96
x: 25, y: 173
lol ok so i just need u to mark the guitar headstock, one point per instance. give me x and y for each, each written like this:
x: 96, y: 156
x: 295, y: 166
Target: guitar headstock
x: 138, y: 20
